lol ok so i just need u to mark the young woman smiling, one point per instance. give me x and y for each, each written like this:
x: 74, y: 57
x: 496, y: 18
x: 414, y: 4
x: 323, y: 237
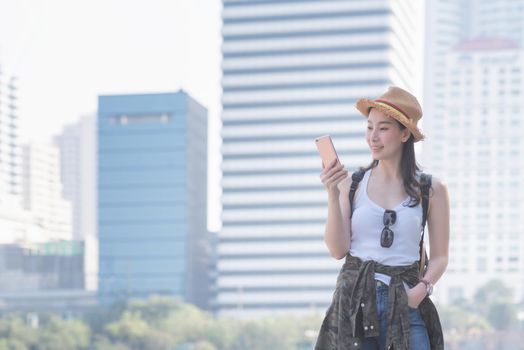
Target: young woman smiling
x: 381, y: 300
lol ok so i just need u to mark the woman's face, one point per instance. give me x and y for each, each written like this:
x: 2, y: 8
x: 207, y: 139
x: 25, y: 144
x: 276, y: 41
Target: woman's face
x: 384, y: 135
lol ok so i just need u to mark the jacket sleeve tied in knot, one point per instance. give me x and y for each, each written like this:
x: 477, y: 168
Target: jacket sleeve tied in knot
x: 398, y: 312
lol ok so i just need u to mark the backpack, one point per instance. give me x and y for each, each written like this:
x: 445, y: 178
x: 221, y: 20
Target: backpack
x: 425, y: 185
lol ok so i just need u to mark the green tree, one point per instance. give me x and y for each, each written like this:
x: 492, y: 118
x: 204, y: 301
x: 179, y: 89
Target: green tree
x: 224, y: 332
x: 98, y: 317
x: 101, y: 342
x: 269, y: 333
x: 493, y: 291
x: 17, y: 334
x: 12, y: 344
x: 130, y: 329
x: 187, y: 324
x: 158, y: 323
x: 204, y: 345
x: 156, y: 308
x: 59, y: 334
x: 494, y: 301
x: 461, y: 320
x: 502, y: 315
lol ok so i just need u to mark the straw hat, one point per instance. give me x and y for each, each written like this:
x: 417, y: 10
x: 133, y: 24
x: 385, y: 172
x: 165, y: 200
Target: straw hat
x: 398, y: 104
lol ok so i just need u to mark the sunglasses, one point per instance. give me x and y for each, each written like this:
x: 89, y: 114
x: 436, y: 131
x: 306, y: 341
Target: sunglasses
x: 386, y: 238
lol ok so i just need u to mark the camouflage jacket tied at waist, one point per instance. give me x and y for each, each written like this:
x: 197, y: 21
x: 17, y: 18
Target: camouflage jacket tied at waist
x: 352, y: 315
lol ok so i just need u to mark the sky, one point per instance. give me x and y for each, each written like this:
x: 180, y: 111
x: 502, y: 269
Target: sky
x: 65, y: 53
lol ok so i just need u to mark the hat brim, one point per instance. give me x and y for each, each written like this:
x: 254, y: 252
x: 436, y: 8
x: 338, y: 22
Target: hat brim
x: 364, y: 105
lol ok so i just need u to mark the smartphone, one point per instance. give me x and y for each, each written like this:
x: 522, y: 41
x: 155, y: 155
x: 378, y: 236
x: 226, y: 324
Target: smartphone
x: 326, y: 149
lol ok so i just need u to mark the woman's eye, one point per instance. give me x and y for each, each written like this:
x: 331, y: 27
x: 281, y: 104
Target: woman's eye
x: 383, y: 129
x: 370, y: 128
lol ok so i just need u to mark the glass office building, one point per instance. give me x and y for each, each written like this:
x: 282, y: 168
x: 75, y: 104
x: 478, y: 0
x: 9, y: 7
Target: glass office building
x: 152, y: 180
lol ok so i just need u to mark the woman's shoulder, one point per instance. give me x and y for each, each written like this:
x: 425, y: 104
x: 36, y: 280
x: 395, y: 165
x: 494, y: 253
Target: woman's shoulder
x: 436, y: 182
x: 438, y: 186
x: 439, y: 196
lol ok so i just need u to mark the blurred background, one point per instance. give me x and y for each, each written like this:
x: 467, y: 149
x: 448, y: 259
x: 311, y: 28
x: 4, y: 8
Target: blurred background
x: 159, y: 180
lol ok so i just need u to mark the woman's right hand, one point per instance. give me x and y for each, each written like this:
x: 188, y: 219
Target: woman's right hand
x: 331, y: 176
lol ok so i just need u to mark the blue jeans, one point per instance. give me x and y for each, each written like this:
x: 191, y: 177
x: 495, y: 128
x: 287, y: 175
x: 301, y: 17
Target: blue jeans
x: 418, y: 334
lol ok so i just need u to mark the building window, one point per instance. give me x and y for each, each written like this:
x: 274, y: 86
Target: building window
x: 140, y: 119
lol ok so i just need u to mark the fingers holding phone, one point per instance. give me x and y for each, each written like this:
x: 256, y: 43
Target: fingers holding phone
x: 333, y: 171
x: 332, y: 175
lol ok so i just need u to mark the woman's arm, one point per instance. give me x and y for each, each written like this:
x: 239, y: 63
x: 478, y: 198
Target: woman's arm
x: 337, y: 235
x: 337, y: 231
x: 438, y: 225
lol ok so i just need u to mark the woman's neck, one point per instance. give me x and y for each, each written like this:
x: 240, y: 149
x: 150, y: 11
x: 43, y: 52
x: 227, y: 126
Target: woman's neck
x: 388, y: 171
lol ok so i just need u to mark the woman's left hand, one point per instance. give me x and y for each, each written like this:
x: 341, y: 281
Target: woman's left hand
x: 416, y: 295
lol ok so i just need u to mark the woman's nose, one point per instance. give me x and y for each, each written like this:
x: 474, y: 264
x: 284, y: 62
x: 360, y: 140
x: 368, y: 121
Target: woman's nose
x: 374, y: 134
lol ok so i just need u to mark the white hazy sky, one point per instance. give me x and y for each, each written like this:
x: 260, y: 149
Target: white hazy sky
x: 67, y: 52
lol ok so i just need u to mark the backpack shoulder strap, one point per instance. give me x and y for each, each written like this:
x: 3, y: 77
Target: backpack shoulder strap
x: 425, y: 186
x: 355, y: 180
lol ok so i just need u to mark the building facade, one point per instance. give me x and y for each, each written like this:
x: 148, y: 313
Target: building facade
x: 78, y: 149
x: 152, y: 180
x: 77, y: 146
x: 498, y: 19
x: 10, y: 150
x: 292, y: 71
x: 481, y: 156
x: 30, y: 207
x: 473, y: 103
x: 42, y: 192
x: 44, y: 277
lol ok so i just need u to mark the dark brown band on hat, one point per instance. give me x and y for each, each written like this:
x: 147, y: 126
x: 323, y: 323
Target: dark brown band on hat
x: 392, y: 105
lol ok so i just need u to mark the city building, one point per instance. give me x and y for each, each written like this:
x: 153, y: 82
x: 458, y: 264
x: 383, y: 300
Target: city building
x: 30, y: 203
x: 480, y: 153
x: 292, y: 71
x: 473, y: 104
x: 41, y: 269
x: 10, y: 152
x: 152, y: 188
x: 44, y: 277
x: 78, y: 148
x: 18, y: 225
x: 31, y: 267
x: 498, y: 19
x: 42, y: 192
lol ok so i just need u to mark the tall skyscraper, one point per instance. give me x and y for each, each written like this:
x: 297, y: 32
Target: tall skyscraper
x: 10, y: 151
x: 152, y: 180
x: 42, y: 190
x: 292, y: 71
x: 21, y: 191
x: 446, y: 25
x: 498, y: 19
x: 16, y: 224
x: 475, y: 103
x: 78, y: 147
x: 481, y: 156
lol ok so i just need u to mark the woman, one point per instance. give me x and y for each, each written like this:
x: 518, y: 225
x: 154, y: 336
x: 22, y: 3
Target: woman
x: 381, y: 300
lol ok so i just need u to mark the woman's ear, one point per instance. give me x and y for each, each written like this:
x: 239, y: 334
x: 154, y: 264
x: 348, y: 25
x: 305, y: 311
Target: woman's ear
x: 405, y: 135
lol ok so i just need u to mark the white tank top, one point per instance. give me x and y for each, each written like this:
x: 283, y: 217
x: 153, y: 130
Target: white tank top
x: 366, y: 228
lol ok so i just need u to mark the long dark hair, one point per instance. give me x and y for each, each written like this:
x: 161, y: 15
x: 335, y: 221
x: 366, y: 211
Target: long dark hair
x: 408, y: 168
